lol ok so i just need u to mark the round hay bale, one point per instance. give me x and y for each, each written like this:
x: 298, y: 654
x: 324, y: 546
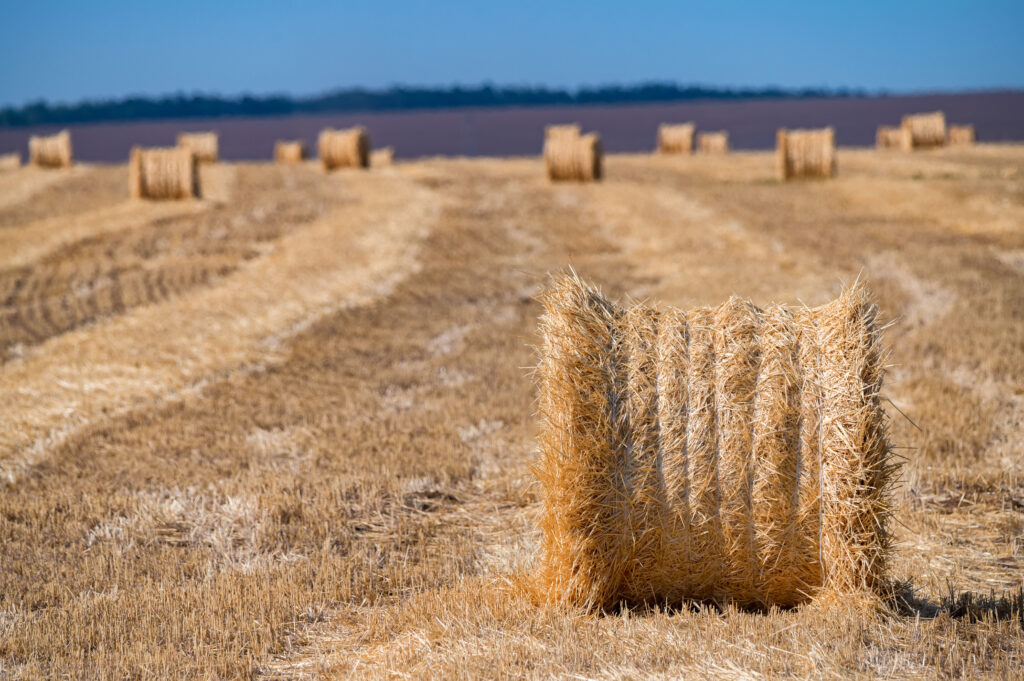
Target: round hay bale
x: 290, y: 151
x: 806, y: 153
x: 53, y: 151
x: 890, y: 137
x: 163, y: 173
x: 729, y: 453
x: 11, y: 161
x: 382, y: 157
x: 961, y: 135
x: 569, y: 156
x: 713, y: 142
x: 924, y: 131
x: 675, y: 138
x: 344, y: 148
x: 205, y: 145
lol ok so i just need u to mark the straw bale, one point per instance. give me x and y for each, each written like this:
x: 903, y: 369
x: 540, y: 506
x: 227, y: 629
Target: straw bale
x: 730, y: 453
x: 205, y: 145
x: 713, y: 142
x: 806, y: 153
x: 164, y: 173
x: 924, y: 130
x: 961, y: 135
x: 348, y: 148
x: 571, y: 156
x: 890, y: 137
x: 11, y: 161
x: 675, y: 138
x: 53, y: 151
x: 567, y: 130
x: 384, y: 156
x: 290, y: 151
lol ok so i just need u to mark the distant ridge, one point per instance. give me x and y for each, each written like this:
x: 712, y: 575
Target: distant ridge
x: 395, y: 98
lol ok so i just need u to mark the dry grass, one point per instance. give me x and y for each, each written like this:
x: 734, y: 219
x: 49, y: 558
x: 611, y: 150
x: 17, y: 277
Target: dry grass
x: 961, y: 135
x: 713, y: 143
x: 344, y: 148
x: 171, y: 173
x: 333, y: 482
x: 675, y: 138
x: 924, y: 131
x: 805, y: 153
x: 568, y: 155
x: 53, y: 151
x: 290, y: 151
x: 204, y: 145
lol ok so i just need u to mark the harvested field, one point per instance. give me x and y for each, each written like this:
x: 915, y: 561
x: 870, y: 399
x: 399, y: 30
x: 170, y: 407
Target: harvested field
x: 286, y: 430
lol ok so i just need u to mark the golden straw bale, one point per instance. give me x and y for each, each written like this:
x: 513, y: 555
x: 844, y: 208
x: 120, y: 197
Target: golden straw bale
x: 205, y: 145
x: 571, y: 156
x: 384, y: 156
x: 806, y: 153
x: 344, y: 148
x: 11, y: 161
x: 961, y: 135
x: 675, y: 138
x: 728, y: 453
x: 568, y: 130
x: 293, y: 151
x: 53, y: 151
x: 890, y: 137
x: 713, y: 142
x: 164, y: 173
x: 924, y: 130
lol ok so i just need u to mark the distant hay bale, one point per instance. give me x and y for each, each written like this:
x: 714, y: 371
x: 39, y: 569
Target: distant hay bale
x: 961, y: 135
x: 11, y: 161
x: 713, y: 142
x: 730, y: 453
x: 53, y: 151
x: 205, y: 145
x: 922, y: 131
x: 675, y: 138
x: 890, y: 137
x: 384, y: 156
x: 806, y: 153
x: 290, y: 151
x: 568, y: 155
x: 163, y: 173
x: 344, y: 148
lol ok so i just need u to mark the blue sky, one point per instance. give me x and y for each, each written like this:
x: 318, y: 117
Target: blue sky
x: 66, y: 51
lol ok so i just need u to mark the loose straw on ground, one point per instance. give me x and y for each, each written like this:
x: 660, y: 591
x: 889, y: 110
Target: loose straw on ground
x: 675, y: 138
x: 163, y: 173
x: 344, y: 148
x: 961, y: 135
x: 205, y: 145
x: 713, y: 142
x: 53, y: 151
x: 729, y: 453
x: 568, y: 155
x: 290, y: 151
x: 806, y: 153
x: 923, y: 131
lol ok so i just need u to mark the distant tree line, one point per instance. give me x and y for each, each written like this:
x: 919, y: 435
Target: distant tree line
x: 392, y: 99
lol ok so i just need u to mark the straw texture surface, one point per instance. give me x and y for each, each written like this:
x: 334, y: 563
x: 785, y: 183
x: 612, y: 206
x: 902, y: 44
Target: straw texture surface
x: 713, y: 142
x: 675, y: 138
x: 924, y: 130
x: 568, y: 155
x: 53, y: 151
x: 806, y: 153
x: 163, y: 173
x: 348, y: 148
x: 205, y: 145
x: 290, y: 151
x: 961, y: 135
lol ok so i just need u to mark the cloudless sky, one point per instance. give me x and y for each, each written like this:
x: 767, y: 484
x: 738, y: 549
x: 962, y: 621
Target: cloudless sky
x: 69, y: 50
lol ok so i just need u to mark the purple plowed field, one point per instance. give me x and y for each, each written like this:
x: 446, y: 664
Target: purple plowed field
x: 997, y: 116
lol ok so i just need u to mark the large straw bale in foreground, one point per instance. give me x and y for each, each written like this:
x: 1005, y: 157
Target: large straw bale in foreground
x: 890, y: 137
x: 53, y: 151
x: 290, y: 151
x: 806, y: 153
x: 348, y: 148
x: 713, y: 142
x: 163, y: 173
x: 675, y: 138
x: 205, y: 145
x: 384, y: 156
x: 569, y: 155
x: 11, y: 161
x: 922, y: 131
x: 727, y: 453
x: 961, y: 135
